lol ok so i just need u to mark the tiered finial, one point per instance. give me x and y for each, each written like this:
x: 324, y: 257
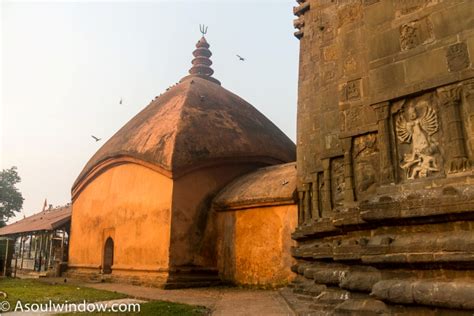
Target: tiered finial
x: 202, y: 62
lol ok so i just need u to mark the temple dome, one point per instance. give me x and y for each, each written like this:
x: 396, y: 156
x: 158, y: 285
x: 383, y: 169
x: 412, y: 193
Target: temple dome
x: 194, y: 123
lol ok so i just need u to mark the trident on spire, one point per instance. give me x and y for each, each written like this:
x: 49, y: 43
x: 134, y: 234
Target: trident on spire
x: 203, y: 29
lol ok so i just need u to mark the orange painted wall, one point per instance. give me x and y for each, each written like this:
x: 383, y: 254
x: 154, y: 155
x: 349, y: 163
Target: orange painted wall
x: 193, y: 240
x: 255, y: 245
x: 130, y: 203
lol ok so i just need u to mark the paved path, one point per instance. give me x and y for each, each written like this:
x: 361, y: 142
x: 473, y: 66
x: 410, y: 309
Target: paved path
x: 220, y: 300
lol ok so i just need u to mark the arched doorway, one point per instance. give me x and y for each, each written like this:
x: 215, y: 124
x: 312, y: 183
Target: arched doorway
x: 108, y: 255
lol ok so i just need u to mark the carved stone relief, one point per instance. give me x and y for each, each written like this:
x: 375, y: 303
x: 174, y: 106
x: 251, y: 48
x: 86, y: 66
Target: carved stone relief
x: 321, y: 201
x: 416, y: 33
x: 337, y: 181
x: 365, y: 156
x: 353, y: 90
x: 457, y: 57
x: 415, y: 126
x: 409, y: 37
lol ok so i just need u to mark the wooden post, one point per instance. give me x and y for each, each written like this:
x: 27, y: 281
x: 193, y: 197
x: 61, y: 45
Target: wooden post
x: 22, y: 250
x: 62, y: 245
x: 16, y: 256
x: 29, y: 246
x: 6, y: 259
x: 50, y: 249
x: 40, y: 253
x: 36, y: 252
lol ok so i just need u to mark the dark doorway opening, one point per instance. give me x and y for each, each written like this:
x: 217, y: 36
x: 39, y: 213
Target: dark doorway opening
x: 108, y: 255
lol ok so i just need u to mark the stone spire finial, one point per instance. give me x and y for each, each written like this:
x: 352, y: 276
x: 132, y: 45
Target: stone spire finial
x: 202, y: 62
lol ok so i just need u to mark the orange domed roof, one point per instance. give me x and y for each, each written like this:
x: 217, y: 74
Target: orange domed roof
x: 195, y: 123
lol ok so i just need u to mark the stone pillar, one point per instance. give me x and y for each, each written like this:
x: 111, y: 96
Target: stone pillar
x: 450, y: 100
x: 300, y: 207
x: 307, y: 202
x: 315, y: 211
x: 327, y: 205
x: 385, y: 153
x: 348, y: 171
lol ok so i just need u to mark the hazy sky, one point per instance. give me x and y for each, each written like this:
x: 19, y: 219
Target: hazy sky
x: 65, y: 66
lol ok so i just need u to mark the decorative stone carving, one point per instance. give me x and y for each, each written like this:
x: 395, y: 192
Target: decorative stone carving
x: 416, y: 128
x: 348, y: 171
x: 450, y: 99
x: 416, y: 33
x: 353, y: 90
x: 386, y: 166
x: 457, y: 57
x: 326, y: 187
x: 350, y: 65
x: 409, y: 37
x: 315, y: 204
x: 337, y: 181
x: 321, y: 191
x: 365, y: 155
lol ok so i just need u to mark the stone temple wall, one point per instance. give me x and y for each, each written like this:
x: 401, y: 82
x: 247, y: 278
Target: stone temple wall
x: 384, y: 150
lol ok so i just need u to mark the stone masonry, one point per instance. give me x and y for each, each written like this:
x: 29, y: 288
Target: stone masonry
x: 384, y: 151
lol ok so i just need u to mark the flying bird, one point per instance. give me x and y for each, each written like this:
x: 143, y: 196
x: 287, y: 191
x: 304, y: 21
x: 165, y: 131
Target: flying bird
x: 240, y: 58
x: 95, y: 138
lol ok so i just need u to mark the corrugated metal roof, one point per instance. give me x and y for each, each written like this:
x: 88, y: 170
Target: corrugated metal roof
x: 47, y: 220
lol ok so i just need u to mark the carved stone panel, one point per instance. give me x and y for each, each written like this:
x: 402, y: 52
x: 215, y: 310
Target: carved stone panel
x: 457, y: 57
x: 417, y: 127
x: 321, y: 202
x: 365, y: 156
x: 416, y: 33
x: 337, y: 181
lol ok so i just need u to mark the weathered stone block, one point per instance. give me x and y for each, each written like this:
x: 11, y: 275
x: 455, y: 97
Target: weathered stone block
x: 416, y: 33
x: 362, y: 307
x: 457, y: 295
x: 425, y: 66
x: 359, y: 280
x: 384, y: 44
x: 454, y: 20
x: 457, y: 57
x: 387, y: 78
x: 379, y: 12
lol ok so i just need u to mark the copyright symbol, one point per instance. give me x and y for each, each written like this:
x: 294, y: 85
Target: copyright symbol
x: 4, y: 306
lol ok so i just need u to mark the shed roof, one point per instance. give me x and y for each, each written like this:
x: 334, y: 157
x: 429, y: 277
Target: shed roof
x: 275, y: 185
x: 47, y: 220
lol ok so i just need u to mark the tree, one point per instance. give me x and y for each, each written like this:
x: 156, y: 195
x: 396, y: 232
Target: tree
x: 11, y: 200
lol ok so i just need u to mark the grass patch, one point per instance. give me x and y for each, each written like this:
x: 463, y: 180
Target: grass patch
x: 34, y: 291
x: 159, y: 308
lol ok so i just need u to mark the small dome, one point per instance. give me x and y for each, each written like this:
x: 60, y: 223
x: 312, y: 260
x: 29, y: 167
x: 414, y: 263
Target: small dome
x: 274, y: 185
x: 196, y: 122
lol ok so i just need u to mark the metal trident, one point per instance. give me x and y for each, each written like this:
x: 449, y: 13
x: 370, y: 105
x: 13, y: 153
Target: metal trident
x: 203, y: 29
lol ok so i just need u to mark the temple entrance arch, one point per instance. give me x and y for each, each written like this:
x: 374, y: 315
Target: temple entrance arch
x: 108, y: 255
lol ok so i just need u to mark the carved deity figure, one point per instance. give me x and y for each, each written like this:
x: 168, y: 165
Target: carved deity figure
x: 417, y: 131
